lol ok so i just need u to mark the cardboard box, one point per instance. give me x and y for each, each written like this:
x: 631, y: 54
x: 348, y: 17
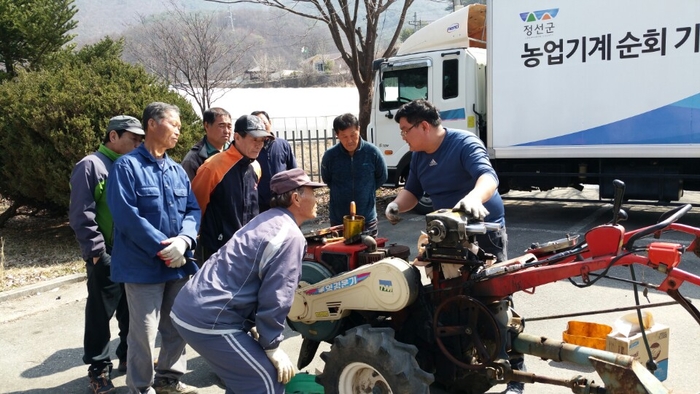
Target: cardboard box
x: 634, y: 346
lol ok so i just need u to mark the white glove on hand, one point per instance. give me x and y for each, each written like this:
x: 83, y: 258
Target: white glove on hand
x: 284, y: 366
x: 392, y: 213
x: 176, y: 263
x: 472, y: 206
x: 254, y: 333
x: 174, y: 253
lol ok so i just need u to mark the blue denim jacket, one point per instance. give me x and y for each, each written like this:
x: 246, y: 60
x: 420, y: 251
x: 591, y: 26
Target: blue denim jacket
x: 151, y: 200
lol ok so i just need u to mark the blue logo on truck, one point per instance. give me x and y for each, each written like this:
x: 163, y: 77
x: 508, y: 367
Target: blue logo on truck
x: 452, y: 27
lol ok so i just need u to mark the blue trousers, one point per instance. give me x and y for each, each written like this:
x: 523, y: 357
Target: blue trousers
x: 237, y: 359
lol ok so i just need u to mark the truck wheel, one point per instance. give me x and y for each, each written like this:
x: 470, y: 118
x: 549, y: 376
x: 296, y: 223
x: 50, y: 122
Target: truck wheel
x: 370, y: 360
x: 424, y: 206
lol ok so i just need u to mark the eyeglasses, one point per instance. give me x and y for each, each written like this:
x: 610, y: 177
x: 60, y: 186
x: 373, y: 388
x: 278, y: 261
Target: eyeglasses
x: 404, y: 132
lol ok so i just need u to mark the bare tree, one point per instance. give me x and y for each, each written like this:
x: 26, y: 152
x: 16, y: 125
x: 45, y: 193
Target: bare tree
x: 270, y: 67
x: 195, y: 52
x: 354, y: 32
x: 454, y: 5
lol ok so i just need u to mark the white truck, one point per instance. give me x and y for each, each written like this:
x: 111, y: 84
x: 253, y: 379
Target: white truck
x: 562, y: 93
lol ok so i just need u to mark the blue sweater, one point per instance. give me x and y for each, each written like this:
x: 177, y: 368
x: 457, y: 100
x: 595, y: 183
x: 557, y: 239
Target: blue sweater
x: 450, y: 173
x: 353, y: 178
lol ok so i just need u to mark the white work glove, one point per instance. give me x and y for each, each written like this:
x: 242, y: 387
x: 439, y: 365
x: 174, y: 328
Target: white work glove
x: 176, y: 263
x: 284, y: 366
x: 392, y: 213
x: 174, y: 253
x: 472, y: 206
x: 254, y: 333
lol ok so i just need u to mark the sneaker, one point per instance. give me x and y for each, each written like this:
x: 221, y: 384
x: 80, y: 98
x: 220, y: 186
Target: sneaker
x: 122, y: 367
x: 100, y: 384
x: 172, y: 386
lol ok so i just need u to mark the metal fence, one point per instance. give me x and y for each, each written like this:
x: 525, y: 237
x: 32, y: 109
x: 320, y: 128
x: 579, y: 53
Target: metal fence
x: 309, y: 137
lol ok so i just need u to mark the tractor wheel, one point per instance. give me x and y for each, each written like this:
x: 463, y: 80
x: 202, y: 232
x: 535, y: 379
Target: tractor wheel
x: 369, y: 360
x: 424, y: 206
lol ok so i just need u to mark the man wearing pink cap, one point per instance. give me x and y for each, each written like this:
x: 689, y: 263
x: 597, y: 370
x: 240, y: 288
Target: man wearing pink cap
x: 250, y: 282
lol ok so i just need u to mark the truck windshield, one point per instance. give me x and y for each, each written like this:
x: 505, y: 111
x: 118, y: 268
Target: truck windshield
x: 401, y: 86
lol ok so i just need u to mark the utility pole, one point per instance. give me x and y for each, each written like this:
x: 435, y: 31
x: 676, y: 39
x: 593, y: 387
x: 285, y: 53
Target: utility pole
x: 415, y: 22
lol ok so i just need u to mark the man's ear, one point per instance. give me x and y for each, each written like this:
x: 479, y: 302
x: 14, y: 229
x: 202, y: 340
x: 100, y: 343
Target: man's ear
x: 152, y: 123
x: 296, y: 198
x: 113, y: 136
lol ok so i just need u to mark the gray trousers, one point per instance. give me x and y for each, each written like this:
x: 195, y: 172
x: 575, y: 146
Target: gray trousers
x: 149, y: 314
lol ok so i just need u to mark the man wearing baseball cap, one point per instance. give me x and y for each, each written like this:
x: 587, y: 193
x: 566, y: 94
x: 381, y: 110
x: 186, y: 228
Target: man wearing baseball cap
x: 226, y: 186
x: 250, y: 283
x: 91, y: 221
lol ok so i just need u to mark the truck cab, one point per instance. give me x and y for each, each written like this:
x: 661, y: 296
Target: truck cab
x: 428, y: 66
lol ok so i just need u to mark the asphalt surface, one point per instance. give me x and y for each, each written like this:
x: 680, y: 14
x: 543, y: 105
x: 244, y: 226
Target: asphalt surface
x: 41, y: 335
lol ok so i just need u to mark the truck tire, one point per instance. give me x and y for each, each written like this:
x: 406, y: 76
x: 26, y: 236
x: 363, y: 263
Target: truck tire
x: 424, y: 206
x: 369, y: 360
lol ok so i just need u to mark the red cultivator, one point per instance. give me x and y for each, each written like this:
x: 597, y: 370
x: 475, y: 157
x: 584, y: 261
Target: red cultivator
x: 392, y: 333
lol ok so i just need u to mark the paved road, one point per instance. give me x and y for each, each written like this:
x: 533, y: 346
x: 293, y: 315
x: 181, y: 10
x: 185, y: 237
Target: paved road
x: 41, y: 336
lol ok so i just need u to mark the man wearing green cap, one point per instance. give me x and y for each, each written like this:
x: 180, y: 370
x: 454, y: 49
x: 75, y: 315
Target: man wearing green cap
x: 91, y: 221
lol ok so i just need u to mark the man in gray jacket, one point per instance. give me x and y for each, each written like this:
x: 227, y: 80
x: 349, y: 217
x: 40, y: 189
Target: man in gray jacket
x: 91, y: 221
x: 250, y: 282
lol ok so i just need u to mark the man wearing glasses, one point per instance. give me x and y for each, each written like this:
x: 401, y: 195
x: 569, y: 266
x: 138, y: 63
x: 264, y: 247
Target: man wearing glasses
x: 453, y: 167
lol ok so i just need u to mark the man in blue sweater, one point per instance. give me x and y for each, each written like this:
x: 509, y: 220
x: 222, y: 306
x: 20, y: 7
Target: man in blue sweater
x: 454, y: 168
x: 353, y: 169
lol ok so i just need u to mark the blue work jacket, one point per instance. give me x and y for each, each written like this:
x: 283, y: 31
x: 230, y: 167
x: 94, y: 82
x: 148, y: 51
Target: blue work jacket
x: 151, y: 200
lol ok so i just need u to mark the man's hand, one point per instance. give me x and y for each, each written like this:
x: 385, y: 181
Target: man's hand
x: 176, y: 263
x: 104, y: 257
x: 284, y: 366
x: 392, y: 213
x: 174, y: 253
x: 254, y: 333
x: 472, y: 206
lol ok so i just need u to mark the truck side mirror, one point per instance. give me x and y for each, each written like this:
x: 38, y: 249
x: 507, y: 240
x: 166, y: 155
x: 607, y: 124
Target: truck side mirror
x: 377, y: 63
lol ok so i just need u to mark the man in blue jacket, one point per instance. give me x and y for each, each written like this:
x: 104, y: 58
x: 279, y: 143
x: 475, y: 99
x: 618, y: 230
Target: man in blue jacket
x: 156, y: 218
x: 276, y: 156
x: 250, y: 282
x: 353, y: 169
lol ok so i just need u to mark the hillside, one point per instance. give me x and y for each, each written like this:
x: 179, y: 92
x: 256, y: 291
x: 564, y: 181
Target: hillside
x: 97, y: 18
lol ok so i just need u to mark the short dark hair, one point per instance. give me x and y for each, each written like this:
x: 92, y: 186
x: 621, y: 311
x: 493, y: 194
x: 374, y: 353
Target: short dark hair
x: 418, y: 111
x: 284, y: 200
x: 119, y: 134
x: 256, y: 113
x: 209, y: 116
x: 344, y: 122
x: 156, y: 111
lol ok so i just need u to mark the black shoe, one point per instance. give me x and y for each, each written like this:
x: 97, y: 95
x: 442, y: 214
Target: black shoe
x: 515, y: 388
x: 122, y: 366
x: 100, y: 383
x: 172, y: 386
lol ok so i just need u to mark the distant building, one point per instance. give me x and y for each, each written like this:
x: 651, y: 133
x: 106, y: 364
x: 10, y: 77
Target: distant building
x: 257, y: 74
x: 330, y: 63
